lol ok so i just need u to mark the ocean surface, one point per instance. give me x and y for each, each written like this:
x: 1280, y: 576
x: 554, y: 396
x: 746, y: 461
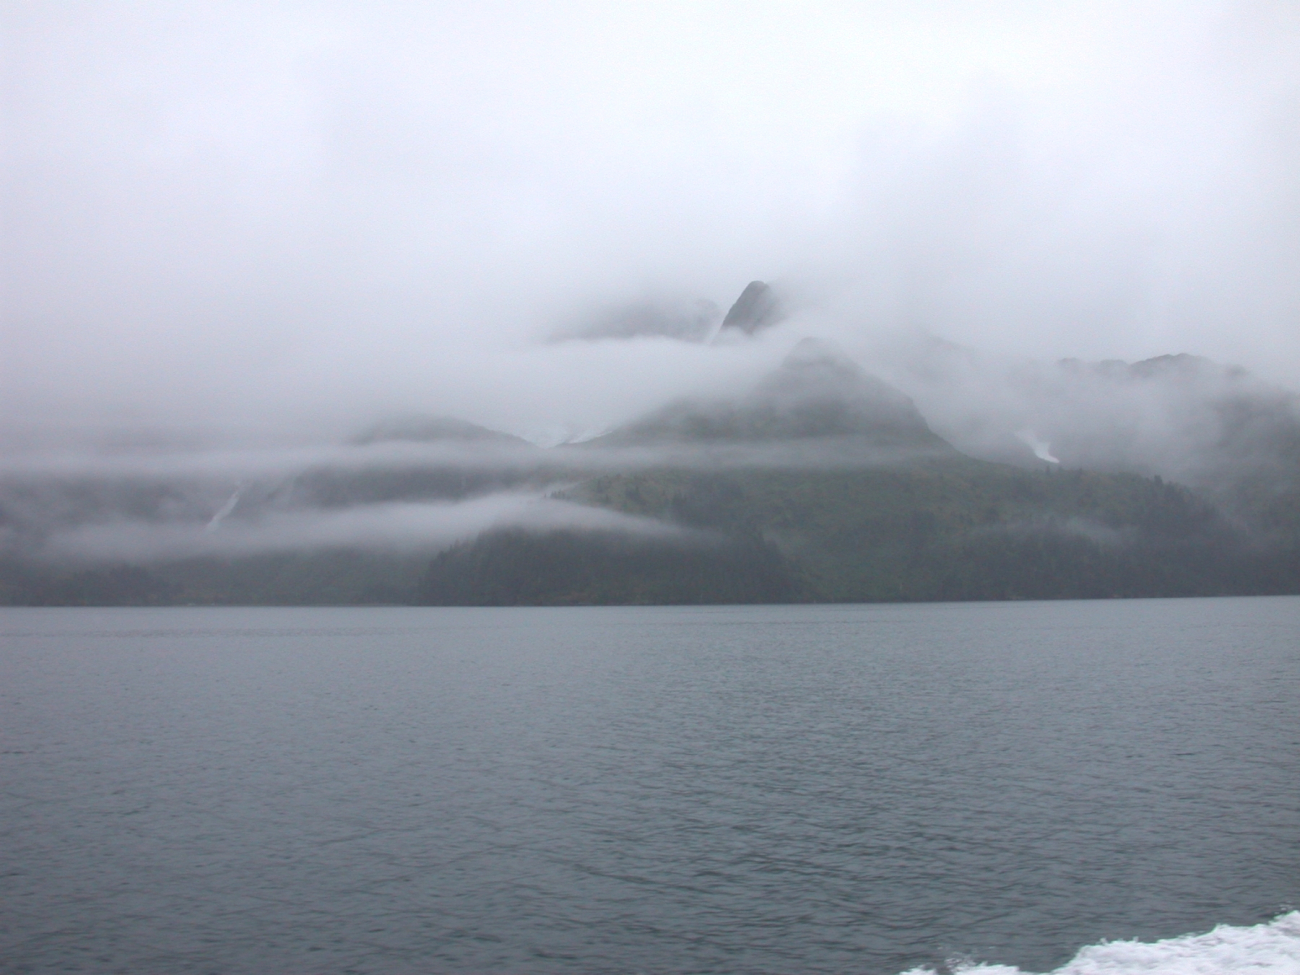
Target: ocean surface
x: 1081, y: 787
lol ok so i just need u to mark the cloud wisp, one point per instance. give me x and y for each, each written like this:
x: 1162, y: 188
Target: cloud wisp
x: 399, y: 528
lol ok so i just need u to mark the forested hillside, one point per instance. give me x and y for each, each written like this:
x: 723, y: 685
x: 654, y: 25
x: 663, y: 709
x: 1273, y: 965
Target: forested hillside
x: 950, y: 529
x: 821, y: 483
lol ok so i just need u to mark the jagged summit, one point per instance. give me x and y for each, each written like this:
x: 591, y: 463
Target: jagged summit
x: 757, y: 308
x: 817, y: 392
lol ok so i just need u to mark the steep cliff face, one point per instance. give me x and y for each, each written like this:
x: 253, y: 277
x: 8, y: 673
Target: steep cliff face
x: 757, y: 308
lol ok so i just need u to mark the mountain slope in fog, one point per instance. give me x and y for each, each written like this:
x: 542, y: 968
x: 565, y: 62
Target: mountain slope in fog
x: 483, y: 461
x: 1180, y: 416
x: 822, y: 482
x: 421, y: 428
x: 929, y: 524
x: 1220, y: 430
x: 930, y: 530
x: 816, y: 393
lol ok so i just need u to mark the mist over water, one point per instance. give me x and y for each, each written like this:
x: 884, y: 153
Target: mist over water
x: 761, y: 789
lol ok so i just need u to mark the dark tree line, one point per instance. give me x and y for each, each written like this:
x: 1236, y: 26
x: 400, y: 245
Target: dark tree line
x: 515, y: 567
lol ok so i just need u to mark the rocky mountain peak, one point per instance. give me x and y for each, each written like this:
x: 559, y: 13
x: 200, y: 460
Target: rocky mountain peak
x: 757, y: 308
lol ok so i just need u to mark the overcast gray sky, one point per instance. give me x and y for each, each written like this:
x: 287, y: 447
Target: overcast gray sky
x: 290, y: 213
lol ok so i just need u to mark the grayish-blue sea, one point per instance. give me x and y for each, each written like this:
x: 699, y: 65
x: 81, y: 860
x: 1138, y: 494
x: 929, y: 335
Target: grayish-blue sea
x: 711, y: 789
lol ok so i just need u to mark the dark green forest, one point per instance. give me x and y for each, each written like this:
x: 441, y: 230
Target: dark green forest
x: 821, y: 484
x: 946, y: 528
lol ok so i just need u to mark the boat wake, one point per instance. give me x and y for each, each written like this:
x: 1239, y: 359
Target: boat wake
x: 1261, y: 949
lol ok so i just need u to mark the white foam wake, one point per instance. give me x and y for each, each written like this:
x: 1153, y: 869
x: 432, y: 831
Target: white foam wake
x: 1263, y: 949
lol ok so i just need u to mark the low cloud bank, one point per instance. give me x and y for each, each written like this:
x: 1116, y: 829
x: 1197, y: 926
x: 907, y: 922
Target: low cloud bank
x: 401, y: 528
x: 230, y: 466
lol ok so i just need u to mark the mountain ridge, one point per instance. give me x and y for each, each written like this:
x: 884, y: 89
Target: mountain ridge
x: 822, y: 482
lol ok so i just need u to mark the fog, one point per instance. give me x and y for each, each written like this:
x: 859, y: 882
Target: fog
x: 399, y: 528
x: 243, y: 240
x: 278, y: 222
x: 402, y: 497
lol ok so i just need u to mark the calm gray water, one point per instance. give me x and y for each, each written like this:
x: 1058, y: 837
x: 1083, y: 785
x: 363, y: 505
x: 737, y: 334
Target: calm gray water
x: 757, y: 789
